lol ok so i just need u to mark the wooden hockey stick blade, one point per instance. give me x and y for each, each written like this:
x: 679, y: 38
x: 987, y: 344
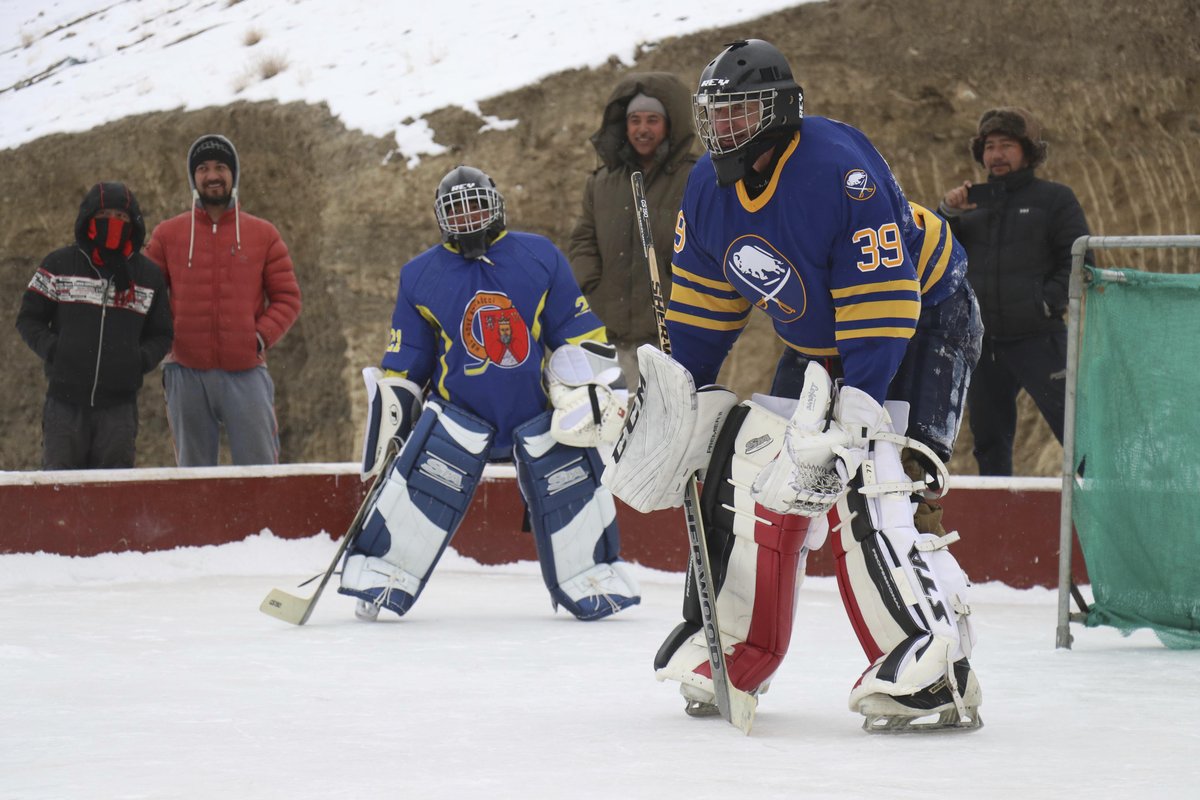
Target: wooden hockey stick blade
x: 742, y: 707
x: 287, y: 607
x: 297, y: 610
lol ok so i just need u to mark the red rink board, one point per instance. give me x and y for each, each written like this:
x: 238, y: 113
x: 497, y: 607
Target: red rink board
x: 1009, y: 527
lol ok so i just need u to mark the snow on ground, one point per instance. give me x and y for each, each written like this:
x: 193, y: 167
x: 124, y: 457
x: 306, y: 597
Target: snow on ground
x: 155, y: 676
x: 379, y: 65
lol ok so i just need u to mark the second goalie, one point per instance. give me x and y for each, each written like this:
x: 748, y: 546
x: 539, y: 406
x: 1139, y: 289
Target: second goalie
x: 462, y: 384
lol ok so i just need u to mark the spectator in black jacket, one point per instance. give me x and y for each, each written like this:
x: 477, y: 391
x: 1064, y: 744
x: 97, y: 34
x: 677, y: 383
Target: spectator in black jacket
x: 1018, y: 230
x: 96, y: 313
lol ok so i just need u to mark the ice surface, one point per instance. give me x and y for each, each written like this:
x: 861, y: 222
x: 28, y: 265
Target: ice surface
x: 155, y: 676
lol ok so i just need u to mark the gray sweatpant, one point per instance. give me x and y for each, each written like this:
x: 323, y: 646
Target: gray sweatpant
x: 199, y: 402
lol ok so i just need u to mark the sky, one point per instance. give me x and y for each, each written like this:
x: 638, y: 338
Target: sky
x: 154, y: 675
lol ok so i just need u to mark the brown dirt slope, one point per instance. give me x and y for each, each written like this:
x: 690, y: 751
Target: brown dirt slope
x: 1117, y: 88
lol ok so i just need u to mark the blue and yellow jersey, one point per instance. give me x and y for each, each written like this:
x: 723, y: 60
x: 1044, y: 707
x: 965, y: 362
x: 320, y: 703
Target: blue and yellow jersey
x: 831, y: 250
x: 478, y: 331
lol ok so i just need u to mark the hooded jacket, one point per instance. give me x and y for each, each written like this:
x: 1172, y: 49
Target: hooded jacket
x: 232, y: 281
x: 95, y: 340
x: 606, y: 248
x: 1019, y: 253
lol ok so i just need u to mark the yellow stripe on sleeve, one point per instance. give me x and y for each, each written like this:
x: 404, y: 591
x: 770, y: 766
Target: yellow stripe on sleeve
x: 933, y: 226
x: 687, y: 296
x: 594, y: 335
x: 535, y: 330
x: 692, y: 277
x: 704, y: 322
x: 875, y: 333
x: 873, y: 288
x: 813, y: 351
x: 939, y: 269
x: 880, y: 309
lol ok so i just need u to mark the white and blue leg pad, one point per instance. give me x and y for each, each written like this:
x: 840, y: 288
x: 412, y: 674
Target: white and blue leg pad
x: 428, y: 488
x: 574, y: 521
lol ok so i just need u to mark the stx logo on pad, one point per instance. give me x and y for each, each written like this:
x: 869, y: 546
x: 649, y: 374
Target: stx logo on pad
x: 437, y: 470
x: 565, y: 479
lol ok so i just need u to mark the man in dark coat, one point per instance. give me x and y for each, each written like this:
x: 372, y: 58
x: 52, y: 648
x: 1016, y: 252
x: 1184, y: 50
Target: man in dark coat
x: 647, y: 125
x: 96, y: 313
x: 1018, y: 230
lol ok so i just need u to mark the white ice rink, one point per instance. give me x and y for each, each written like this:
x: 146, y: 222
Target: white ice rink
x: 155, y: 676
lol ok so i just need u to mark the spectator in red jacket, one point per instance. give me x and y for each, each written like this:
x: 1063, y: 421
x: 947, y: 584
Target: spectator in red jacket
x: 234, y: 295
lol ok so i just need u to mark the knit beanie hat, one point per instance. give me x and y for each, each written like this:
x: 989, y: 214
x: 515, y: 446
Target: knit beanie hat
x: 644, y: 102
x: 1017, y: 123
x: 212, y: 147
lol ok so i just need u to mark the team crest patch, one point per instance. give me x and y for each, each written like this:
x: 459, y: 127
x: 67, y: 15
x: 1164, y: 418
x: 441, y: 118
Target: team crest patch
x: 858, y: 185
x: 754, y: 267
x: 494, y: 332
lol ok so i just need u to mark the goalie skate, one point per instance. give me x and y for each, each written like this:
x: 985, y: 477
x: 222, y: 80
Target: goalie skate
x: 940, y: 707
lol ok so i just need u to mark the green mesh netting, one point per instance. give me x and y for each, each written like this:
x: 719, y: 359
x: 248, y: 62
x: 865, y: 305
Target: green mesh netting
x: 1137, y: 506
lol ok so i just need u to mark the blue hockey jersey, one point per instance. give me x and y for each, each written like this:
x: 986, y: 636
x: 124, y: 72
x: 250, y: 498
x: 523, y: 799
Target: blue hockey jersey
x: 479, y: 330
x: 831, y: 250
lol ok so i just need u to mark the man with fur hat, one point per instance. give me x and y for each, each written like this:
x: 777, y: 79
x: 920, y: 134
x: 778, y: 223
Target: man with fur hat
x: 1018, y: 230
x: 234, y: 294
x: 96, y: 313
x: 647, y: 126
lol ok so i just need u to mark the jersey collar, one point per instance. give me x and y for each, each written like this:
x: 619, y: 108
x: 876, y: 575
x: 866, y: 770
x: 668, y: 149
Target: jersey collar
x: 754, y: 204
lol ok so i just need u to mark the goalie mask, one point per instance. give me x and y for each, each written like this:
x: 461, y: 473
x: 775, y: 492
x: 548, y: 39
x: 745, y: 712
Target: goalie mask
x: 470, y: 212
x: 746, y: 99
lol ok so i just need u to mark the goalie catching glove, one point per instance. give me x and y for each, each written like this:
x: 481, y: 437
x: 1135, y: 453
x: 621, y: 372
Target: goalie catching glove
x: 803, y: 479
x: 820, y: 454
x: 587, y: 390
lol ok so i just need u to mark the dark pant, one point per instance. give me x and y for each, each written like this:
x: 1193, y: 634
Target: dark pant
x: 933, y: 376
x: 81, y: 437
x: 1037, y: 364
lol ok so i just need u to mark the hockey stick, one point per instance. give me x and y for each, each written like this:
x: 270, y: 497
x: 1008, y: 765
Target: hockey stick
x: 297, y: 610
x: 736, y: 706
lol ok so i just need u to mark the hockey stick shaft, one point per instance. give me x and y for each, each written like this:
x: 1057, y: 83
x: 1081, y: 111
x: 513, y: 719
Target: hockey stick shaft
x: 297, y: 610
x: 736, y: 707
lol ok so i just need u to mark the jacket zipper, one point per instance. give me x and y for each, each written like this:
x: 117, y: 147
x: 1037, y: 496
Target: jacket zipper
x: 100, y: 345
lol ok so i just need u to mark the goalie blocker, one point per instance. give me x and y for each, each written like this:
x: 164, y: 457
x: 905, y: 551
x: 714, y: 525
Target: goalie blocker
x: 903, y: 591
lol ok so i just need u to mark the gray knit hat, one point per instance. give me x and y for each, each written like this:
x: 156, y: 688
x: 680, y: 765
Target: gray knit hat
x: 644, y: 102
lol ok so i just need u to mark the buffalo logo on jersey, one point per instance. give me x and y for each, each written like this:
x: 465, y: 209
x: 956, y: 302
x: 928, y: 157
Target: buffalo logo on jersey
x: 494, y: 332
x: 859, y: 185
x: 753, y: 266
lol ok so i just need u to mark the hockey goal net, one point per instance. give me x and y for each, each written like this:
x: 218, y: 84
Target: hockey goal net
x: 1131, y: 461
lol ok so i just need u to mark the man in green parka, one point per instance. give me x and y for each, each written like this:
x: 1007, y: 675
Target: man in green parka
x: 647, y: 126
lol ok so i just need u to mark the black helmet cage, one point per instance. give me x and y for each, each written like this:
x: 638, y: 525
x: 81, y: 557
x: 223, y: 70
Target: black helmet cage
x: 748, y: 89
x: 462, y: 195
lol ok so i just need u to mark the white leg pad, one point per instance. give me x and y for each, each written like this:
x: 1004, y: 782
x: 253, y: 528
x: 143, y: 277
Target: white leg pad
x: 904, y: 592
x: 766, y: 555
